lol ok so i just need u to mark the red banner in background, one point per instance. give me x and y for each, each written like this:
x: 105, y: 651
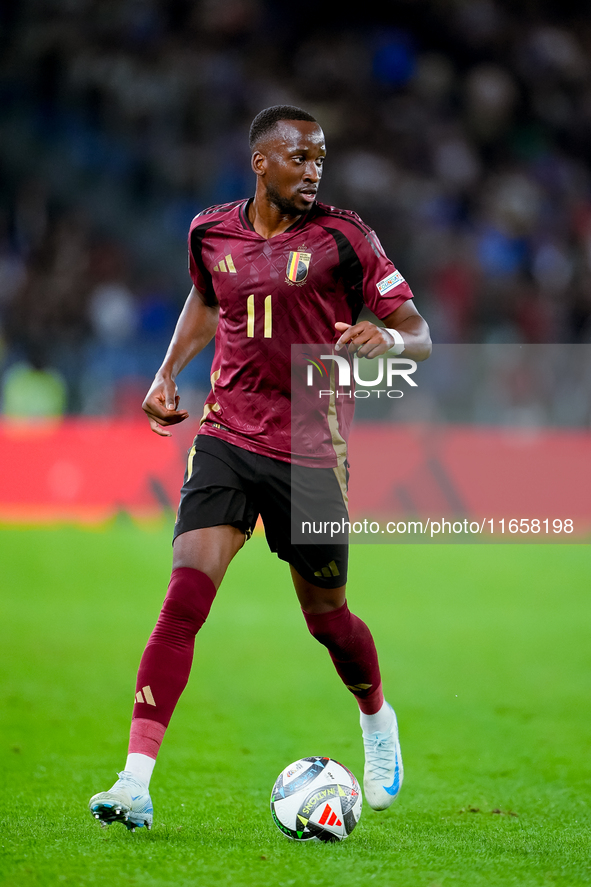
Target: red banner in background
x: 89, y: 469
x: 479, y: 473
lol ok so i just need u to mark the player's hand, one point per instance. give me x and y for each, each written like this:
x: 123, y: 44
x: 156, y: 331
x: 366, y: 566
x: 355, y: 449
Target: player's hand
x: 365, y: 338
x: 161, y: 406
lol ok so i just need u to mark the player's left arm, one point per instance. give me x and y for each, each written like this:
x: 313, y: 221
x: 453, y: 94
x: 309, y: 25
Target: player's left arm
x: 369, y: 340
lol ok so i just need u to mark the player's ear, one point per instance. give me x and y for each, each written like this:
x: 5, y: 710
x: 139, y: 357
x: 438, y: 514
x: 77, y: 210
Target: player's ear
x: 258, y: 163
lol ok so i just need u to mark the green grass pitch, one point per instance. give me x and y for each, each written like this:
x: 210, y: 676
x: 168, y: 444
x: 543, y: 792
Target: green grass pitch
x: 485, y: 654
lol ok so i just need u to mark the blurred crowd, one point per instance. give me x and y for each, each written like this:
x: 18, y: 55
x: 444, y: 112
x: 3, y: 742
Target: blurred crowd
x: 459, y: 129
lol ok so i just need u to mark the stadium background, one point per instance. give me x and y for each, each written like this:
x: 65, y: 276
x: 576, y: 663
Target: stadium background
x: 460, y: 130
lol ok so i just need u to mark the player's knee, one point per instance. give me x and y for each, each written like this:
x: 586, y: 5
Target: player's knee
x: 320, y: 635
x: 180, y: 613
x: 189, y: 597
x: 328, y: 626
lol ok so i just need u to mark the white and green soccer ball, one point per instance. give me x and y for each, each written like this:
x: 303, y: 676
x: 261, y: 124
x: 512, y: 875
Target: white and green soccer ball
x: 316, y: 799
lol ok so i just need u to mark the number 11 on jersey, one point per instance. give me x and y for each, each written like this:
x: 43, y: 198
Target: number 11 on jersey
x: 268, y: 317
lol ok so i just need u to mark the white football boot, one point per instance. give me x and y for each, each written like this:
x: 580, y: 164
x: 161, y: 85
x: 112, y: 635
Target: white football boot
x: 127, y: 801
x: 383, y: 774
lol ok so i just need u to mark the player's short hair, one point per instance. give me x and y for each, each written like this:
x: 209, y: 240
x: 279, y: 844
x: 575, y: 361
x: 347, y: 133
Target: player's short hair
x: 266, y: 120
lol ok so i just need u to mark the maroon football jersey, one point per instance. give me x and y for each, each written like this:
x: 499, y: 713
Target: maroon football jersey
x: 275, y: 293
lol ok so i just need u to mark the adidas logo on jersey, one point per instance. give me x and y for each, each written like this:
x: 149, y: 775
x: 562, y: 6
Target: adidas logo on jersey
x: 145, y: 695
x: 226, y: 265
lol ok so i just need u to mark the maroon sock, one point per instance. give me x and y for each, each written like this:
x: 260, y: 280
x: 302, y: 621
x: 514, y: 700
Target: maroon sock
x: 166, y: 662
x: 145, y: 737
x: 352, y: 649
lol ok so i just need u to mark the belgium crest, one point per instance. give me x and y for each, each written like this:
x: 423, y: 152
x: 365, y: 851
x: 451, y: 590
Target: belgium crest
x: 298, y: 265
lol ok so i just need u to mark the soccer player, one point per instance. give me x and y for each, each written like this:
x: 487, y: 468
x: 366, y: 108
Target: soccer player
x: 268, y: 272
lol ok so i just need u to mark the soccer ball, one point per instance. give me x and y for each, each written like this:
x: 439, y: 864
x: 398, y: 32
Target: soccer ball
x: 316, y: 799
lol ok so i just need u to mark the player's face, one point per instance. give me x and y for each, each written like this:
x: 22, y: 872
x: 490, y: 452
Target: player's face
x: 291, y: 165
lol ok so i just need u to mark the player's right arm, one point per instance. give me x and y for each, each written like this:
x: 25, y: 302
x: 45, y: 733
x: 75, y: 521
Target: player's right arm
x: 194, y: 330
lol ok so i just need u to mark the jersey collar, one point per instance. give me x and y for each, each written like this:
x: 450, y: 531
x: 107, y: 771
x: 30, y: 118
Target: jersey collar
x: 299, y: 223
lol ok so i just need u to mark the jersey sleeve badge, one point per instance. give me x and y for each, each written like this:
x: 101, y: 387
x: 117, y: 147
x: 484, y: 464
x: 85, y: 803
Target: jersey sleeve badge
x: 388, y: 283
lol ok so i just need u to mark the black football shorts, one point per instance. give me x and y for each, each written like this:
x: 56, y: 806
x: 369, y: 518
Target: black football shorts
x: 225, y: 484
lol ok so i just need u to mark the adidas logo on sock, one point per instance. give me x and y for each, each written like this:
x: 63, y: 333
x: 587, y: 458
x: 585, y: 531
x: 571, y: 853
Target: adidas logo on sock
x: 145, y: 695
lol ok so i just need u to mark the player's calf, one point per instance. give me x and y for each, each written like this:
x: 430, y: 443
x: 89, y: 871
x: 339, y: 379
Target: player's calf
x: 352, y: 650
